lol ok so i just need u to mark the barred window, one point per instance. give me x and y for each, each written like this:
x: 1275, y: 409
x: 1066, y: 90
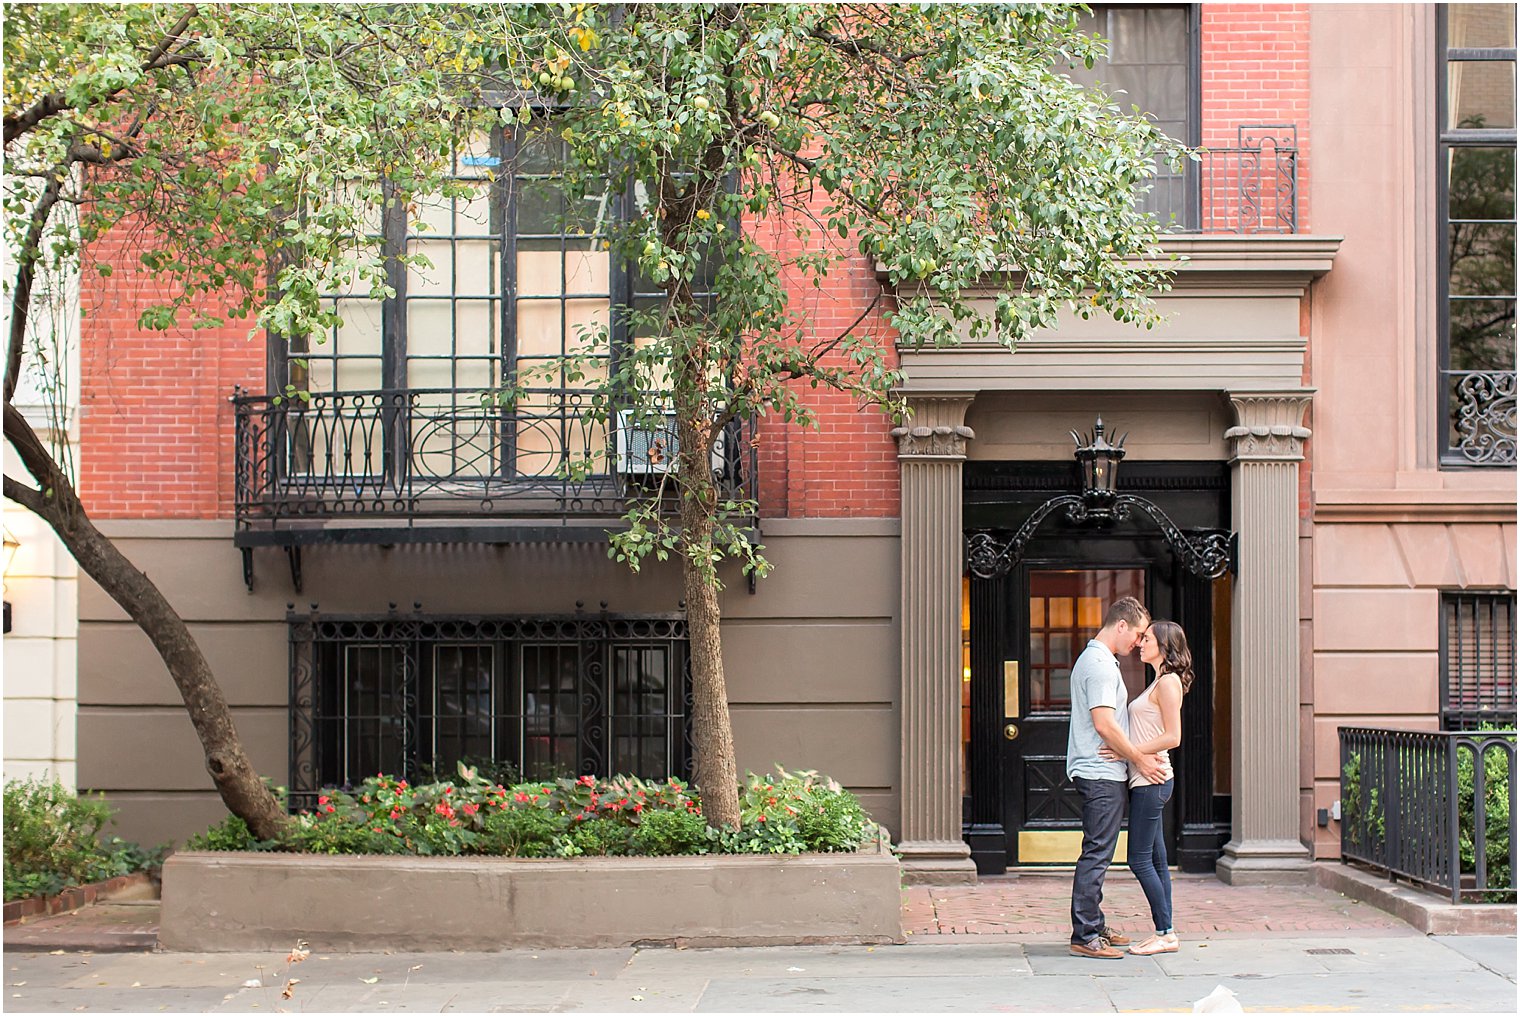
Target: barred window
x: 583, y: 695
x: 1477, y: 660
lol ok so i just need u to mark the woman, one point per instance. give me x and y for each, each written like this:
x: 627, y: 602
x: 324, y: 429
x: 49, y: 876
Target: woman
x: 1155, y: 725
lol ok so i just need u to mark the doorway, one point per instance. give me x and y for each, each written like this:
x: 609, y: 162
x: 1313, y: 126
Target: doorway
x: 1022, y: 632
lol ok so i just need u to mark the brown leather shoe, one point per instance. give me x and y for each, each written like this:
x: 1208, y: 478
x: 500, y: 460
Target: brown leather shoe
x: 1115, y: 937
x: 1097, y: 949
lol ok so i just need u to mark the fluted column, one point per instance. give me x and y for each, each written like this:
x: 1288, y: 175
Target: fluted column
x: 1266, y: 446
x: 930, y: 452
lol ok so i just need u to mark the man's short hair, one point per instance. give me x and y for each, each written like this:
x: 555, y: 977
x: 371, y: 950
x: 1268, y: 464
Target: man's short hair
x: 1127, y: 609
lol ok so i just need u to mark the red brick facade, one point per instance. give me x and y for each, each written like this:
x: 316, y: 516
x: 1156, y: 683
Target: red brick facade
x: 157, y: 442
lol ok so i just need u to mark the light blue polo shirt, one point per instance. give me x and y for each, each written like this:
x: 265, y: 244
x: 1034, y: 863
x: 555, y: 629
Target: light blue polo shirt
x: 1095, y: 681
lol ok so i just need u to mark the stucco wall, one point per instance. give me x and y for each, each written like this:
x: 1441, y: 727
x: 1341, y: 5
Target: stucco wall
x: 1390, y: 529
x: 811, y: 658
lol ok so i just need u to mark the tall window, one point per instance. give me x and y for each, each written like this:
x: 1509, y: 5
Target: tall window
x: 1476, y: 173
x: 1151, y: 64
x: 1477, y: 660
x: 512, y: 278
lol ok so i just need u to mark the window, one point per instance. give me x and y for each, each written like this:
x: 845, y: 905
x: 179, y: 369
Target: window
x: 1152, y: 64
x: 1476, y: 179
x: 590, y: 694
x: 516, y: 278
x: 1477, y: 660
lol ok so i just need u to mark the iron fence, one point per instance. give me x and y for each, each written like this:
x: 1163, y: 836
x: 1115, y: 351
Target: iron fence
x: 455, y: 453
x: 1248, y: 187
x: 1435, y: 808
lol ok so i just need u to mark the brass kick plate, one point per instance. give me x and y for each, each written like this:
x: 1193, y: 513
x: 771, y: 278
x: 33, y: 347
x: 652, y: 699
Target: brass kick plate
x: 1061, y: 846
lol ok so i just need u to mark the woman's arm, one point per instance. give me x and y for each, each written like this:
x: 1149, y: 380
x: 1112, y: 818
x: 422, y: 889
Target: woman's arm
x: 1168, y: 698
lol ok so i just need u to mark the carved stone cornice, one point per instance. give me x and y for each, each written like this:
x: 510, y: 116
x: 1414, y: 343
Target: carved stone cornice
x: 936, y: 428
x: 1269, y: 426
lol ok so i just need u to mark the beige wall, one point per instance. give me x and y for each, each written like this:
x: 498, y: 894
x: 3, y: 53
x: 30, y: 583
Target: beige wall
x: 811, y: 658
x: 1390, y: 530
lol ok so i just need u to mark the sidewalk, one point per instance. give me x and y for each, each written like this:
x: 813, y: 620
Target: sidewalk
x: 1379, y: 972
x: 998, y: 946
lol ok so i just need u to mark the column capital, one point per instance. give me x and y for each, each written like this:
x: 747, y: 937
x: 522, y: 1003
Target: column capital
x: 1269, y: 425
x: 936, y: 428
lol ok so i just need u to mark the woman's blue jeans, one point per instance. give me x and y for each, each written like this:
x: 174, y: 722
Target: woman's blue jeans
x: 1147, y: 849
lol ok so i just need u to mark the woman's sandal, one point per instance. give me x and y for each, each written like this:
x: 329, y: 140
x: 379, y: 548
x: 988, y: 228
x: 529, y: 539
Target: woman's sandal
x: 1155, y: 945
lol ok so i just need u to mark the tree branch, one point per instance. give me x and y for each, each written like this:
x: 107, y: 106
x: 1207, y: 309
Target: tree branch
x: 53, y: 103
x: 29, y: 498
x: 26, y: 275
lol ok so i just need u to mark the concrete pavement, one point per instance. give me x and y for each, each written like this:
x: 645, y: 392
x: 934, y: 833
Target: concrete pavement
x: 1382, y: 970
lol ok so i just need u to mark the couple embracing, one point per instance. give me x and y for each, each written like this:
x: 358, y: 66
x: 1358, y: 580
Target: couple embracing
x: 1116, y: 753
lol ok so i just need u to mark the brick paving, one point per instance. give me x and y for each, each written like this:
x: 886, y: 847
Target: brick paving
x: 1040, y: 904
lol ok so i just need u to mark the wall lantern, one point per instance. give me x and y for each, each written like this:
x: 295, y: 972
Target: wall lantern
x: 1099, y: 461
x: 1208, y: 553
x: 11, y: 546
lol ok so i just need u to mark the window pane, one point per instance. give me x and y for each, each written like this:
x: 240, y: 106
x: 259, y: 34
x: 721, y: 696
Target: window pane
x: 1482, y: 335
x: 1481, y: 183
x: 1480, y: 26
x: 1480, y: 94
x: 1482, y: 259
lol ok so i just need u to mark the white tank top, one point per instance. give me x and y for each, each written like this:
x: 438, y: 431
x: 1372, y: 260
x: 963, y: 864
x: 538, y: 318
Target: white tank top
x: 1145, y: 722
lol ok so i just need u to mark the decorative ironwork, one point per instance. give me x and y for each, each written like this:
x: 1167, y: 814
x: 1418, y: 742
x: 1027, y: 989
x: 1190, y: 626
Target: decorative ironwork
x: 1481, y: 407
x: 1250, y: 187
x: 1402, y: 810
x: 1207, y: 553
x: 327, y: 742
x: 453, y: 453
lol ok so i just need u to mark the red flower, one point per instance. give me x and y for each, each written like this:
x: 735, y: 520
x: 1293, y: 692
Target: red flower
x: 321, y: 800
x: 395, y: 813
x: 762, y: 818
x: 331, y: 809
x: 448, y: 790
x: 520, y: 796
x: 470, y: 809
x: 638, y: 808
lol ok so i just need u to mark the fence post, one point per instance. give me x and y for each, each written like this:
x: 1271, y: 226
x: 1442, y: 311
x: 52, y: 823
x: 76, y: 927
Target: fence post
x: 1454, y: 820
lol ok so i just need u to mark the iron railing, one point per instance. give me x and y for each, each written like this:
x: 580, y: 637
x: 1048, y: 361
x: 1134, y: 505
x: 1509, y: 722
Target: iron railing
x: 1480, y: 407
x: 455, y: 453
x: 1415, y: 804
x: 1248, y: 187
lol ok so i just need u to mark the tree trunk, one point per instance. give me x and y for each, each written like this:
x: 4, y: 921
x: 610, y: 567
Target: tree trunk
x: 240, y: 786
x: 716, y: 771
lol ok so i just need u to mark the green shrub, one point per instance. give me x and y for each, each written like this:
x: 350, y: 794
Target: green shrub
x: 598, y: 837
x: 231, y: 833
x: 670, y: 832
x: 519, y: 832
x: 1495, y: 817
x: 52, y: 841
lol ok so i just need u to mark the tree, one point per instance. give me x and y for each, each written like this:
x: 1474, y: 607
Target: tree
x: 940, y: 141
x: 245, y: 147
x: 240, y: 147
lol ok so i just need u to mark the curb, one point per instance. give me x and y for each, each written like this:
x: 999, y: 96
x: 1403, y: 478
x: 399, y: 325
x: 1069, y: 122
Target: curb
x: 1426, y: 913
x: 78, y: 896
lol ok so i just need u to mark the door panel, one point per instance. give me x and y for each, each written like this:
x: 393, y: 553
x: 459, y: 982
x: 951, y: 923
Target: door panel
x: 1053, y: 612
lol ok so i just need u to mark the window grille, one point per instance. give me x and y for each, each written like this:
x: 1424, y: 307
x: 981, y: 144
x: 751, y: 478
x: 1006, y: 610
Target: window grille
x: 591, y: 694
x: 1477, y: 660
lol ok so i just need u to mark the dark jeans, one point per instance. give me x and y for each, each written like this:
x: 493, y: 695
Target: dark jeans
x: 1102, y: 814
x: 1147, y: 849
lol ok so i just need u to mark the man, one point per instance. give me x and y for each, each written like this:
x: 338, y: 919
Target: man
x: 1099, y: 716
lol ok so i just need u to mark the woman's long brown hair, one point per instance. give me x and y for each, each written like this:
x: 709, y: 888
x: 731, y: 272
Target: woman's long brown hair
x: 1176, y: 658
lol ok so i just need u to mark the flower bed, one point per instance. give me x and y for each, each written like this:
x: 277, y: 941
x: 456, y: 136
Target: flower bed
x: 53, y: 845
x: 567, y: 863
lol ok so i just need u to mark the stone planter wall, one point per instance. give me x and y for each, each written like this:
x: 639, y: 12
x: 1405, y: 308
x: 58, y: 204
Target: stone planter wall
x: 137, y: 886
x: 222, y: 902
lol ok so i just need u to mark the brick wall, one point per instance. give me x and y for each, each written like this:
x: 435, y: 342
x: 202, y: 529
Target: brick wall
x: 157, y: 429
x: 156, y: 426
x: 1255, y: 69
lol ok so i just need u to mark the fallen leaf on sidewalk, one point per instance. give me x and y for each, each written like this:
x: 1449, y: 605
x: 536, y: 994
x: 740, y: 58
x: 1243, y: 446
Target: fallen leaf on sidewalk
x: 18, y: 984
x: 290, y: 987
x: 637, y: 998
x: 56, y: 952
x: 253, y: 982
x: 369, y: 980
x: 137, y: 984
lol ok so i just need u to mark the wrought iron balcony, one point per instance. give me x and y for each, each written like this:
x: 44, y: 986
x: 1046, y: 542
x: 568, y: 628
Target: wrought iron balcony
x: 1480, y: 407
x: 415, y: 455
x: 1249, y: 187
